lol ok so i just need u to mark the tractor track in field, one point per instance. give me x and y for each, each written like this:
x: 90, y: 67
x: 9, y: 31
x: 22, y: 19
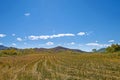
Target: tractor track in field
x: 54, y: 63
x: 34, y: 70
x: 59, y: 67
x: 24, y: 68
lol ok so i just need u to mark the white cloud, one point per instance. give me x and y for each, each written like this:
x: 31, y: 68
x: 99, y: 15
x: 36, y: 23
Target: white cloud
x: 2, y: 35
x: 49, y: 43
x: 13, y: 34
x: 27, y: 14
x: 19, y: 39
x: 97, y: 44
x: 92, y: 44
x: 111, y: 41
x: 72, y: 43
x: 32, y: 37
x: 81, y: 33
x: 13, y: 44
x: 62, y: 35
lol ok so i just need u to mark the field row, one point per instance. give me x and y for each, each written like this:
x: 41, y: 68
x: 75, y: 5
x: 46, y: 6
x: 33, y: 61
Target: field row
x: 59, y: 67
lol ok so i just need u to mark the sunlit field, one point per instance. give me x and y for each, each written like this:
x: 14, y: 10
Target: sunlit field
x: 61, y: 66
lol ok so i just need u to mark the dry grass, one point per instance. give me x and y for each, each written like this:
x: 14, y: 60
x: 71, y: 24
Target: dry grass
x: 60, y: 67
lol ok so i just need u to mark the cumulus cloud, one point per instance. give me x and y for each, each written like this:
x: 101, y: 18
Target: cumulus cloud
x: 27, y: 14
x: 19, y: 39
x: 2, y: 35
x: 92, y: 44
x: 111, y: 41
x: 32, y: 37
x: 13, y: 44
x: 72, y: 43
x: 49, y: 43
x: 81, y: 33
x: 97, y: 44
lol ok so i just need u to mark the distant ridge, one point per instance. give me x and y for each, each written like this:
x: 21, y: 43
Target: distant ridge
x: 101, y: 50
x: 55, y: 49
x: 3, y: 47
x: 60, y: 48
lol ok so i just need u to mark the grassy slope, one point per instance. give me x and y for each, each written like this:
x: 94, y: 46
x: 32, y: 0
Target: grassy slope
x: 60, y: 67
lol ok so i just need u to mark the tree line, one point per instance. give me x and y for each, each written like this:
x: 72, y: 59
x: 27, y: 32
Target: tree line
x: 110, y: 49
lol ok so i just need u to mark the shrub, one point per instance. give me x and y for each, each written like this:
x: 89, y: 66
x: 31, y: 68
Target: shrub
x: 113, y: 48
x: 9, y: 52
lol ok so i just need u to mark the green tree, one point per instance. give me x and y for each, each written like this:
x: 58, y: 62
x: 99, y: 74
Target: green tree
x: 94, y: 50
x: 113, y: 48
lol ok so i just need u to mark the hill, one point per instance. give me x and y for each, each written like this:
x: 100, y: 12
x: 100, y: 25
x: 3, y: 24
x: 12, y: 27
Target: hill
x: 57, y: 49
x: 3, y: 47
x: 60, y: 48
x: 101, y: 50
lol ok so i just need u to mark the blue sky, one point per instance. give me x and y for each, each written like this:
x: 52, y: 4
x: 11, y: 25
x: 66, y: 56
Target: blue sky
x: 81, y: 24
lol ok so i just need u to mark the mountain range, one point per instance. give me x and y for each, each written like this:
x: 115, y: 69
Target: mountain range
x: 55, y: 49
x: 3, y: 47
x: 58, y: 49
x: 101, y: 50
